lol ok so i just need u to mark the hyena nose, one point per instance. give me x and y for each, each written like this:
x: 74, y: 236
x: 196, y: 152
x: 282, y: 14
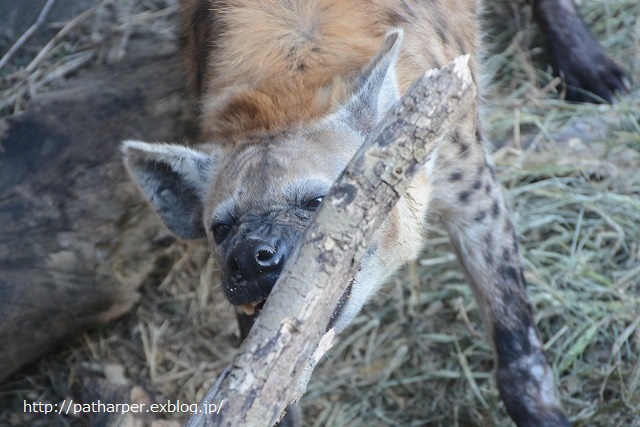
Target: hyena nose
x: 254, y: 258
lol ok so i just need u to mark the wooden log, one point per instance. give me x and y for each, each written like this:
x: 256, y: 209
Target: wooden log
x: 76, y: 238
x: 265, y: 373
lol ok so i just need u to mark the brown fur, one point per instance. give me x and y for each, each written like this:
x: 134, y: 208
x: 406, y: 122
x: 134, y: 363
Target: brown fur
x: 269, y: 68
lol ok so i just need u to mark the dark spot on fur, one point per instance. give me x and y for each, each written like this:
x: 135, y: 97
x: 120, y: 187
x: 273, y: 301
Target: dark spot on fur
x: 488, y: 258
x: 487, y: 188
x: 479, y: 138
x: 509, y: 274
x: 512, y: 343
x: 514, y: 236
x: 464, y: 147
x: 463, y: 196
x: 495, y: 209
x: 394, y: 19
x: 481, y: 169
x: 464, y: 150
x: 455, y: 176
x: 477, y: 185
x: 506, y: 254
x: 407, y: 9
x: 488, y: 248
x: 455, y: 137
x: 441, y: 33
x: 479, y: 216
x: 508, y: 225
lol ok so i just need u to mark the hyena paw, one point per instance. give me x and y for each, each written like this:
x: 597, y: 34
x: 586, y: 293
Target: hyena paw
x: 589, y: 74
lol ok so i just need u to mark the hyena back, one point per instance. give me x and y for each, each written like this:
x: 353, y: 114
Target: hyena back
x: 288, y: 92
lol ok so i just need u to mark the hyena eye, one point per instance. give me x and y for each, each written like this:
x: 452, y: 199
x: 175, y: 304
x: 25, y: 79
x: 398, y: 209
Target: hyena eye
x: 312, y: 203
x: 220, y: 232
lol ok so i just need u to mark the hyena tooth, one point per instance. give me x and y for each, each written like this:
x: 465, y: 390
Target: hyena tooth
x: 249, y: 309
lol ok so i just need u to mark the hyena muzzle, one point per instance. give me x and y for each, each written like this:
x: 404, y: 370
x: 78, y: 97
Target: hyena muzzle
x: 288, y: 92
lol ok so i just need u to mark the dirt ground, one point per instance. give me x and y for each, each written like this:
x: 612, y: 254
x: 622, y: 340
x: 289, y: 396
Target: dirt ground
x: 416, y: 356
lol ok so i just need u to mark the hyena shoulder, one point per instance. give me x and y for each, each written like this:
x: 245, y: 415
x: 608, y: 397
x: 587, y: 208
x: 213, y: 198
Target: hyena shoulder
x: 264, y: 66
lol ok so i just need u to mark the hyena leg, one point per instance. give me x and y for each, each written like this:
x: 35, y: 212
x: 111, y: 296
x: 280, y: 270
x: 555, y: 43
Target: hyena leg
x: 576, y: 54
x: 468, y: 197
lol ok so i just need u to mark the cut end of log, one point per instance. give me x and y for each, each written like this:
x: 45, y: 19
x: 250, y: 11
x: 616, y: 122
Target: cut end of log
x: 461, y: 67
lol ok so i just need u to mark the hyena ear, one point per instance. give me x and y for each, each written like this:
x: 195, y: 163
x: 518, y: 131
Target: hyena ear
x: 175, y: 180
x: 376, y: 89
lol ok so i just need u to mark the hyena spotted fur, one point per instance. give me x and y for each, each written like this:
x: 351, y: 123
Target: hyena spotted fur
x: 288, y: 91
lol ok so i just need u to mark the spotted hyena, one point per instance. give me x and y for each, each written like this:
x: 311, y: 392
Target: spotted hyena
x: 289, y: 89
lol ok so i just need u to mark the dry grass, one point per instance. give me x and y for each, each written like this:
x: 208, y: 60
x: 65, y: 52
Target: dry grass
x: 101, y: 34
x: 416, y: 356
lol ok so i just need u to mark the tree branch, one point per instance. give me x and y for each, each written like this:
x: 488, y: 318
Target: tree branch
x: 27, y: 34
x: 260, y: 380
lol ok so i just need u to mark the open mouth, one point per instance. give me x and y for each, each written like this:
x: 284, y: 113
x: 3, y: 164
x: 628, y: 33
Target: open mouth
x: 252, y: 308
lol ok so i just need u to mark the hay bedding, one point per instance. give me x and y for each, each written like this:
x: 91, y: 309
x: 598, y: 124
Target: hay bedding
x: 416, y: 355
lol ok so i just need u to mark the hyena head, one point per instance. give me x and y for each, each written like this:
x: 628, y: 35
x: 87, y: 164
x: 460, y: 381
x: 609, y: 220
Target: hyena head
x: 252, y: 199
